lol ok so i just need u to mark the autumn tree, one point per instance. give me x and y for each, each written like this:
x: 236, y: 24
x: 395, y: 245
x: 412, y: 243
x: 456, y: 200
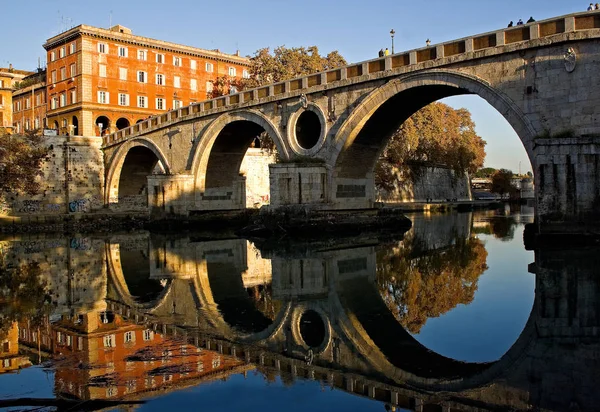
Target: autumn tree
x: 21, y: 157
x: 417, y: 285
x: 502, y: 182
x: 485, y: 172
x: 435, y: 135
x: 223, y: 85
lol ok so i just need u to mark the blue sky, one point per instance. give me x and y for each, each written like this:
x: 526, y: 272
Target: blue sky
x: 357, y: 29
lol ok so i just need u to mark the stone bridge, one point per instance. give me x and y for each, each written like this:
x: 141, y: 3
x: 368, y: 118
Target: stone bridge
x: 358, y: 345
x: 329, y: 128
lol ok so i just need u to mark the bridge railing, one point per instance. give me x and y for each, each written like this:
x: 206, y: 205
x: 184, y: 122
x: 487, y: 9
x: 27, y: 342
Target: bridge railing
x: 454, y: 48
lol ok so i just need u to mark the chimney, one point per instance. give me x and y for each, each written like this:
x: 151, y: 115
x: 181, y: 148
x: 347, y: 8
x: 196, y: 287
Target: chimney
x: 10, y: 68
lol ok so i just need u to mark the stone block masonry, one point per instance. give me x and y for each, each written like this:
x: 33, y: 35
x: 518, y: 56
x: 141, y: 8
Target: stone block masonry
x: 72, y: 180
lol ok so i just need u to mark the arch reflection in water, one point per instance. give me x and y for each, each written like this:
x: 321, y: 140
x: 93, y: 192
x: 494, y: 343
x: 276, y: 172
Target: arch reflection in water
x: 341, y: 287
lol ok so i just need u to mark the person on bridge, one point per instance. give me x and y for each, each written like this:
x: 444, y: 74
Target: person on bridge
x: 510, y: 24
x: 597, y: 6
x: 387, y: 52
x: 590, y: 7
x: 520, y: 22
x: 531, y: 20
x: 380, y: 52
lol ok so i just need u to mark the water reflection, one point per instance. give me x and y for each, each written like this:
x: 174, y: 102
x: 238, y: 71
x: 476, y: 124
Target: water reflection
x: 344, y: 317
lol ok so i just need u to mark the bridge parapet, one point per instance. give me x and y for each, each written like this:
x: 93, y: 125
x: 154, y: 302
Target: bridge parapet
x: 476, y: 46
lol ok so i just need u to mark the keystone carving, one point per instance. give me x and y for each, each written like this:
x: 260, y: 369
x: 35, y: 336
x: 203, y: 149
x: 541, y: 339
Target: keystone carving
x: 570, y: 60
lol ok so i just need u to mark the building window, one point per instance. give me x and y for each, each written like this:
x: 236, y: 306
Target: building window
x: 160, y: 103
x: 102, y: 70
x: 27, y: 128
x: 160, y: 79
x: 109, y: 341
x: 232, y: 71
x: 233, y: 89
x: 52, y: 56
x: 103, y: 97
x: 62, y: 51
x: 123, y: 99
x: 160, y: 58
x: 209, y: 87
x: 193, y: 84
x: 122, y: 73
x: 27, y: 103
x: 63, y: 100
x: 148, y: 335
x: 71, y: 48
x: 53, y: 76
x: 53, y: 103
x: 73, y: 96
x: 177, y: 104
x: 102, y: 48
x: 209, y: 67
x: 176, y: 81
x: 73, y: 70
x: 129, y: 337
x: 142, y: 77
x: 193, y: 64
x: 18, y: 106
x: 176, y: 61
x: 63, y: 73
x: 246, y: 74
x: 142, y: 54
x: 142, y: 102
x: 122, y: 51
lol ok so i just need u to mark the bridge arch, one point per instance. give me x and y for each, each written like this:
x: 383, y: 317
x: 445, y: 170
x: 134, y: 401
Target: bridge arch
x: 152, y: 157
x: 221, y: 147
x: 365, y: 132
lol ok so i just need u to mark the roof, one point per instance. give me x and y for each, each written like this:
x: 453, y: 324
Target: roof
x: 123, y: 34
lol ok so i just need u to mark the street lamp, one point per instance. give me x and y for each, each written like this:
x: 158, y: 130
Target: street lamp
x: 392, y: 32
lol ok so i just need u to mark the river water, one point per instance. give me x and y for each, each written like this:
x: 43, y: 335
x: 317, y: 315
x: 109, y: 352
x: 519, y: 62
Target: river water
x: 453, y: 315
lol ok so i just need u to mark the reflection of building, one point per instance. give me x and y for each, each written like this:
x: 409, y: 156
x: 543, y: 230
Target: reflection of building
x: 102, y: 80
x: 100, y: 356
x: 9, y: 351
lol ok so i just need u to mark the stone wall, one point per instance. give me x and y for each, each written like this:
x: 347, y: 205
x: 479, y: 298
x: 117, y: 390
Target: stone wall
x: 255, y: 167
x: 427, y: 183
x: 72, y: 180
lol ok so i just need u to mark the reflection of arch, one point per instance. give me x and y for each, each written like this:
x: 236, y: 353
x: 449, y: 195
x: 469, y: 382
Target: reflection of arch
x: 365, y: 320
x: 210, y: 144
x: 117, y: 160
x: 117, y: 276
x: 122, y: 123
x: 365, y: 132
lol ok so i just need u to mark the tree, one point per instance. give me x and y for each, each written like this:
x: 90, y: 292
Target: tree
x: 485, y: 172
x: 21, y: 157
x: 418, y: 285
x: 502, y: 182
x: 224, y: 85
x: 435, y: 135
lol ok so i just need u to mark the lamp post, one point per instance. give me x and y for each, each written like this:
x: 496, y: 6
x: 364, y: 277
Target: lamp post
x: 392, y: 32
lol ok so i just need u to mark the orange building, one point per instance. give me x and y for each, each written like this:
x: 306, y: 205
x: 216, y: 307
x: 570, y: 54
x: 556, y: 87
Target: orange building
x: 9, y: 77
x: 29, y: 102
x: 102, y: 80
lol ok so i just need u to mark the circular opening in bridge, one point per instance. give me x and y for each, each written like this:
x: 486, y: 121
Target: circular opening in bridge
x: 308, y: 129
x: 312, y: 328
x: 122, y: 123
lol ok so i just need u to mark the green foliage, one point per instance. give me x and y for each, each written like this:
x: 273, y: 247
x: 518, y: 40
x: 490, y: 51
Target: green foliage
x: 502, y: 182
x: 21, y: 157
x: 435, y: 135
x: 484, y: 172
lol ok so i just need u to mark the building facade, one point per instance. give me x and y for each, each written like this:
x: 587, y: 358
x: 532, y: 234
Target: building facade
x: 102, y: 80
x: 9, y: 78
x: 29, y: 103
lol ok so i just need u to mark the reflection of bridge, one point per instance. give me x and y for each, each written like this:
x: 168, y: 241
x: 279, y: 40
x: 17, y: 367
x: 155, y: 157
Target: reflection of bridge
x: 537, y: 76
x: 357, y: 345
